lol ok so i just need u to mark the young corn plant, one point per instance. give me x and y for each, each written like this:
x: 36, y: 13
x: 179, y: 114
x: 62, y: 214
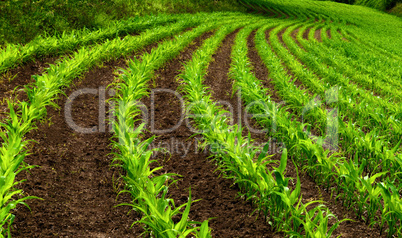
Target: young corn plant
x: 47, y: 87
x: 288, y: 207
x: 149, y: 192
x: 346, y: 173
x: 248, y: 167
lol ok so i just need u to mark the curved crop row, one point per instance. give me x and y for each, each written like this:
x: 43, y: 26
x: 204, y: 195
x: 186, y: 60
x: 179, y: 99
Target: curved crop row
x: 13, y: 55
x: 373, y: 80
x: 44, y: 92
x: 148, y: 191
x: 349, y: 133
x: 331, y: 74
x: 50, y: 84
x: 382, y: 68
x: 239, y: 158
x: 329, y: 169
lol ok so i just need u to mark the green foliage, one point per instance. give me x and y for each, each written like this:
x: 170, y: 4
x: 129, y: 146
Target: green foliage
x: 381, y: 5
x: 148, y: 191
x: 57, y: 16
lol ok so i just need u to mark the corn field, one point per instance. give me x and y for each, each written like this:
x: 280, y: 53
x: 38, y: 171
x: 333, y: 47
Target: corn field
x: 318, y: 78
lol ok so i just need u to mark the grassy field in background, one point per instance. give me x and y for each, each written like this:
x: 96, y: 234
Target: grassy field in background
x: 21, y: 21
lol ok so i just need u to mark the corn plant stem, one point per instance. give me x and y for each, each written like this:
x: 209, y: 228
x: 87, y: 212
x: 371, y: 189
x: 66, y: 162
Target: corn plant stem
x: 15, y: 54
x: 134, y: 87
x: 331, y: 167
x: 384, y: 70
x: 233, y: 159
x: 45, y: 91
x: 307, y: 79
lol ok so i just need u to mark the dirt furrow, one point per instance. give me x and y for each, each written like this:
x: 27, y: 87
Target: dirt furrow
x: 293, y: 34
x: 329, y: 34
x: 74, y: 178
x: 13, y: 81
x: 343, y: 37
x: 309, y: 189
x: 218, y: 195
x: 306, y: 33
x: 297, y: 82
x: 260, y: 70
x: 317, y: 35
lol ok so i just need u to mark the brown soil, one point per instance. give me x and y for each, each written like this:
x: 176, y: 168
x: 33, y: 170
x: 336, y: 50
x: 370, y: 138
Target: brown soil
x: 260, y: 70
x: 222, y: 87
x: 78, y: 186
x: 89, y: 209
x: 74, y: 178
x: 297, y: 82
x: 317, y: 35
x: 309, y: 189
x: 329, y: 34
x: 343, y: 37
x: 77, y: 183
x: 306, y: 32
x: 13, y: 81
x: 77, y: 165
x: 294, y: 36
x: 232, y: 216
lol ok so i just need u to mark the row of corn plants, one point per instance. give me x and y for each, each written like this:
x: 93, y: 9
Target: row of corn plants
x: 14, y: 54
x: 244, y: 162
x: 372, y: 51
x: 311, y: 59
x: 389, y: 126
x: 332, y: 58
x: 379, y: 31
x: 290, y: 8
x: 47, y: 87
x: 374, y: 144
x: 344, y: 177
x: 298, y: 98
x: 148, y: 190
x: 368, y: 46
x: 368, y: 63
x: 24, y: 115
x: 383, y: 69
x: 300, y: 102
x: 368, y: 145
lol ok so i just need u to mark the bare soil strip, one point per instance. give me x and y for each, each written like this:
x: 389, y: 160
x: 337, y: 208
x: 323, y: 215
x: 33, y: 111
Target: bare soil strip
x: 297, y: 82
x: 309, y: 189
x: 293, y: 34
x: 74, y: 178
x: 306, y: 32
x: 13, y: 81
x: 329, y: 34
x: 218, y: 195
x: 317, y: 35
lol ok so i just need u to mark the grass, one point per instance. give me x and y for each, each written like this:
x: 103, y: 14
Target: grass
x: 55, y: 16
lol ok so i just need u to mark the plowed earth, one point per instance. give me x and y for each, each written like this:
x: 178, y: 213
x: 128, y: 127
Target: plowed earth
x: 79, y: 187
